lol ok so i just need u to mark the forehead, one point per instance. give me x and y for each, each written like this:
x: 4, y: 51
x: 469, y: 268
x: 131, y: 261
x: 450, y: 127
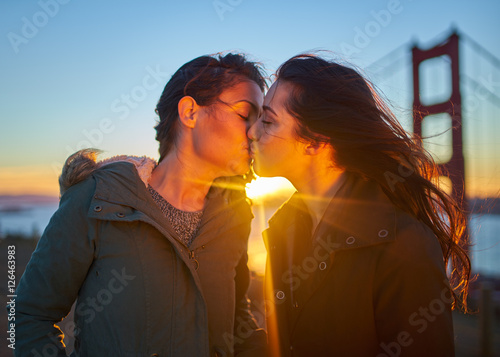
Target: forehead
x: 278, y: 94
x: 244, y: 90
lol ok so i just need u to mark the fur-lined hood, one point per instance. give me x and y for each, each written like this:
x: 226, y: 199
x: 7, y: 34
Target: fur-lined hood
x: 83, y: 163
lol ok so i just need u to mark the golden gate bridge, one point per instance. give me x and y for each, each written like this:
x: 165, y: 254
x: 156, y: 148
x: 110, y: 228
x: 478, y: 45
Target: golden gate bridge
x: 456, y: 84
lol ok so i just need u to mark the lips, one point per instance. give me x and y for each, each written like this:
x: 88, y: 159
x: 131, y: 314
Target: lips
x: 253, y: 151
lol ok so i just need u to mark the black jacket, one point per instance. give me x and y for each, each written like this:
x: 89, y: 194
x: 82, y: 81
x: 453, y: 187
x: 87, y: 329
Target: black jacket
x: 370, y: 282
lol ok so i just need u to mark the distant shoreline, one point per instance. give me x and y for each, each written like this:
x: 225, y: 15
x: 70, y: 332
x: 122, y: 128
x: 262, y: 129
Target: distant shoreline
x: 24, y: 200
x: 20, y: 203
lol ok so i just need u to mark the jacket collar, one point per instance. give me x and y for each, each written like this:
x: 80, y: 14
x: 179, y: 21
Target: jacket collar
x: 125, y: 184
x: 359, y: 215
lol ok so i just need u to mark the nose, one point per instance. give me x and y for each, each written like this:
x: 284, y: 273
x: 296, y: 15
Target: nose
x: 252, y: 131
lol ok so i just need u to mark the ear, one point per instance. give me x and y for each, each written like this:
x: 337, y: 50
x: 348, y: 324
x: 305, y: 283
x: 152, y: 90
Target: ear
x: 187, y: 109
x: 315, y: 147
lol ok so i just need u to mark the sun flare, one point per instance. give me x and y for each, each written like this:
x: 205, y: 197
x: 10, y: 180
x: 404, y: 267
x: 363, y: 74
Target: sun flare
x: 265, y: 186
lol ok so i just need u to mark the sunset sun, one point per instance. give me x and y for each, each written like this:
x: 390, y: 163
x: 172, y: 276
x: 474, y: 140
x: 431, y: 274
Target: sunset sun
x: 264, y: 186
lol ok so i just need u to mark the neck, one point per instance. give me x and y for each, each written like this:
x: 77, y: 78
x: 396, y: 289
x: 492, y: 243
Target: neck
x: 318, y: 189
x: 182, y: 182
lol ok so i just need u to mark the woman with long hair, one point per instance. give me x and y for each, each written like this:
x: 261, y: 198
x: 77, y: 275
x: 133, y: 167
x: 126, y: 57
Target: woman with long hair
x: 358, y: 257
x: 155, y: 253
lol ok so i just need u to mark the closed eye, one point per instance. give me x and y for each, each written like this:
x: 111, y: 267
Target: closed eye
x: 264, y: 119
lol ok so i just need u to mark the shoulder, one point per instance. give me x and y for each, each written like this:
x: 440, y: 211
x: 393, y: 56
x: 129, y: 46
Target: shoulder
x: 79, y: 194
x: 231, y: 189
x: 281, y: 222
x: 287, y: 211
x: 414, y: 257
x: 368, y: 209
x: 109, y: 174
x: 121, y: 172
x: 415, y: 241
x: 227, y: 196
x: 112, y: 180
x: 83, y: 164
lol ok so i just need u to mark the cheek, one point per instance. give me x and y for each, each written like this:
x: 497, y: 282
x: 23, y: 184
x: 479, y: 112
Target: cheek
x: 231, y: 140
x: 270, y: 151
x: 237, y: 132
x: 266, y: 137
x: 273, y: 138
x: 230, y: 129
x: 266, y: 140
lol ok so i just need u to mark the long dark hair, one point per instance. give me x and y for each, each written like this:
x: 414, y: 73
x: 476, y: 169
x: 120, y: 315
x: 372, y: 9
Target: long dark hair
x: 335, y: 104
x: 204, y: 79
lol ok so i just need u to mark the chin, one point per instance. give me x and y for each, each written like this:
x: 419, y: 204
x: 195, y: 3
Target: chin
x: 260, y: 170
x: 239, y: 168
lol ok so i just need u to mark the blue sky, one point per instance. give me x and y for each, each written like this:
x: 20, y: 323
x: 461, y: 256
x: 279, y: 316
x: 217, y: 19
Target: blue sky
x: 77, y: 72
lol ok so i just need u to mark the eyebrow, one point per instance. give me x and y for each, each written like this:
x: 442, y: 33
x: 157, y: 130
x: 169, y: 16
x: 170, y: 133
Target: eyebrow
x: 249, y: 102
x: 266, y: 107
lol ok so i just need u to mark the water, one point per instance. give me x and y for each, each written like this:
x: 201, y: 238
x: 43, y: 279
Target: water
x: 485, y: 237
x: 485, y: 232
x: 29, y: 220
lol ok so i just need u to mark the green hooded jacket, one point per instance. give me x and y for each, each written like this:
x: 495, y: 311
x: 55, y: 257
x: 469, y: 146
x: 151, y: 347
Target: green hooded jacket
x: 139, y: 291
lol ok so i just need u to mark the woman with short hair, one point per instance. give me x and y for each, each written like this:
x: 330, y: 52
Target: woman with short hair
x: 155, y: 253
